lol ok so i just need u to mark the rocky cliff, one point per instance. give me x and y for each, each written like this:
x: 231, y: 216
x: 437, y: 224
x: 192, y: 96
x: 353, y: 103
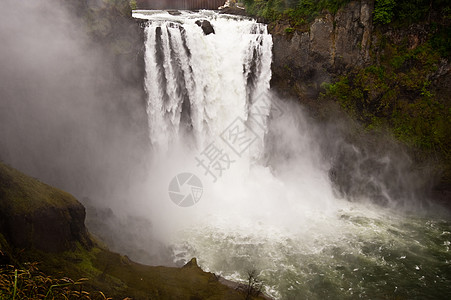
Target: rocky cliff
x: 331, y: 45
x: 390, y: 77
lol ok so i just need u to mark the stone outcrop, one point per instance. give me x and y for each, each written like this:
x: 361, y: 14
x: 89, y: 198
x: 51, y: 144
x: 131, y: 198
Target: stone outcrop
x: 352, y: 34
x: 233, y: 11
x: 341, y: 47
x: 331, y: 45
x: 206, y: 26
x: 34, y: 215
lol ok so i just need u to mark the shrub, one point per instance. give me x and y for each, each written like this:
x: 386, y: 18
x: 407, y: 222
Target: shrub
x: 383, y: 11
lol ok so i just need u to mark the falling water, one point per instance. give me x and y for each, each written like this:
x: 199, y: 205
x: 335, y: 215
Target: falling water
x: 198, y: 84
x: 281, y: 216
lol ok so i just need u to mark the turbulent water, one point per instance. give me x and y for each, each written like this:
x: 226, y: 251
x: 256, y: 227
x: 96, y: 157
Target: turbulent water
x: 210, y: 109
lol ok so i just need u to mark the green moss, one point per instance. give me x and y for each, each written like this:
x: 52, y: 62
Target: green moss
x: 397, y: 94
x: 27, y: 194
x: 397, y: 90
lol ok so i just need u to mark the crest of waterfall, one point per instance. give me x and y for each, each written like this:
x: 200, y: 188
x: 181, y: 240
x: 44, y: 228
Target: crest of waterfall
x: 198, y: 84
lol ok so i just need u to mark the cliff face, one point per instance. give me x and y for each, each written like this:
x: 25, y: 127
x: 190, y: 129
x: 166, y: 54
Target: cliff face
x: 332, y: 45
x: 387, y: 77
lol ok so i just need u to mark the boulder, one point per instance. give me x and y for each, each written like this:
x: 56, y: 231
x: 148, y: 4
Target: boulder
x: 174, y: 12
x: 34, y: 215
x: 233, y: 11
x: 206, y: 26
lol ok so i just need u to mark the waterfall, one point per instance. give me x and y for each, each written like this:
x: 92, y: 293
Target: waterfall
x: 281, y: 217
x: 198, y: 84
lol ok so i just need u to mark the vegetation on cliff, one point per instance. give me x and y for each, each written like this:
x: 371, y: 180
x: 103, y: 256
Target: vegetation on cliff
x: 298, y: 12
x: 405, y: 86
x: 385, y: 11
x: 402, y: 86
x: 398, y: 93
x: 408, y: 11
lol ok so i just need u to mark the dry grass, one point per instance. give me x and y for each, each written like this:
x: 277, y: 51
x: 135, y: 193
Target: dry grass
x: 29, y: 283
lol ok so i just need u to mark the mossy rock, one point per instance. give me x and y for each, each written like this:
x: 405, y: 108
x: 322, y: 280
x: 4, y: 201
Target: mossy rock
x: 36, y: 215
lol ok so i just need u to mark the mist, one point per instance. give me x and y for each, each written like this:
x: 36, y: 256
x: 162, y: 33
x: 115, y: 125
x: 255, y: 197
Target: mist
x: 73, y: 114
x: 67, y: 117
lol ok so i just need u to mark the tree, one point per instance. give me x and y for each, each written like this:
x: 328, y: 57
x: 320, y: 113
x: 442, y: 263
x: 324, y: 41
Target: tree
x: 253, y: 287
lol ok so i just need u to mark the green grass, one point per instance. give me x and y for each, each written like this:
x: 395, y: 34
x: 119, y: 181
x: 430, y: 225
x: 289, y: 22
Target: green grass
x: 116, y: 276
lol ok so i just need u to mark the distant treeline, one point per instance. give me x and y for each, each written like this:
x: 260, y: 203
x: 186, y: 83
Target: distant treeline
x: 180, y: 4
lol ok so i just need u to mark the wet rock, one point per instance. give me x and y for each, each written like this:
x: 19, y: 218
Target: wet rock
x: 352, y: 34
x: 307, y: 57
x: 174, y: 12
x: 321, y: 38
x: 206, y: 26
x: 233, y: 11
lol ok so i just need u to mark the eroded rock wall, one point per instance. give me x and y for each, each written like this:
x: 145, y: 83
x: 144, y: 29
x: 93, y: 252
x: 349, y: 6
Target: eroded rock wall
x: 331, y: 45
